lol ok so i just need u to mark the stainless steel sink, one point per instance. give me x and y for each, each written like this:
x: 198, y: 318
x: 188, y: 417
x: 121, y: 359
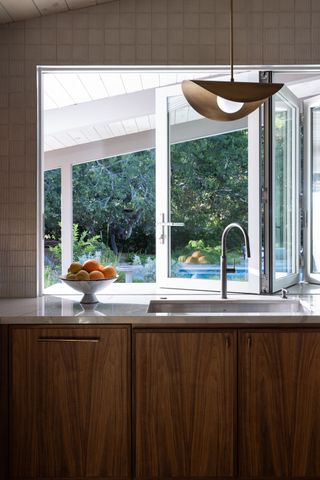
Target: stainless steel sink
x: 227, y: 306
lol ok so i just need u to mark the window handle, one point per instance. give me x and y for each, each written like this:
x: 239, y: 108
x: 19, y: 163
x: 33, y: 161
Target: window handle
x: 164, y: 224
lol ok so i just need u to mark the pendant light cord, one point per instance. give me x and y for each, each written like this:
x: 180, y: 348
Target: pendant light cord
x: 231, y: 39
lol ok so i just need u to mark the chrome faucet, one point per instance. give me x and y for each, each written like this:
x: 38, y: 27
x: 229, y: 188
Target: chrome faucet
x: 223, y: 258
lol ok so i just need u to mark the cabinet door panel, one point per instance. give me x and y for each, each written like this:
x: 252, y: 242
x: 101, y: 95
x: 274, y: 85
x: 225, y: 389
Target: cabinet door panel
x: 185, y: 385
x: 279, y: 398
x: 69, y: 412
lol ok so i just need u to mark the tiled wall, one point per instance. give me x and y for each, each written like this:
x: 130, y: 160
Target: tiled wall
x: 119, y: 33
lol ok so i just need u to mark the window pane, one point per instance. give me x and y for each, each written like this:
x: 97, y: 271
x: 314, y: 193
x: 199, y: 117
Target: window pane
x: 315, y: 191
x: 208, y: 190
x: 52, y: 214
x: 114, y: 214
x: 284, y: 189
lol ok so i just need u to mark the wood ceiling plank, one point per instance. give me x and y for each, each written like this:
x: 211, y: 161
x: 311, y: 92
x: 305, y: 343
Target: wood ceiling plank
x: 4, y: 16
x: 73, y: 4
x: 49, y: 6
x: 19, y: 10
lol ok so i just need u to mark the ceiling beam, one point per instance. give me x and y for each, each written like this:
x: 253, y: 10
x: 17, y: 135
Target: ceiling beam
x: 105, y: 110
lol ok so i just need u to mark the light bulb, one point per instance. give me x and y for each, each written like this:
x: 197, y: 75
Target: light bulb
x: 228, y: 106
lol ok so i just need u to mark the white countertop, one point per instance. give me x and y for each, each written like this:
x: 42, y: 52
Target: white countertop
x: 132, y: 309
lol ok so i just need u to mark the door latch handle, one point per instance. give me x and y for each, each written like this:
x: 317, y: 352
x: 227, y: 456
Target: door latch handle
x: 164, y: 224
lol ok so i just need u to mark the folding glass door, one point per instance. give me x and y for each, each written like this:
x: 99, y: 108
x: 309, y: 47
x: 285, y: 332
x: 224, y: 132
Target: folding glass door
x: 207, y: 176
x: 312, y: 190
x: 285, y: 190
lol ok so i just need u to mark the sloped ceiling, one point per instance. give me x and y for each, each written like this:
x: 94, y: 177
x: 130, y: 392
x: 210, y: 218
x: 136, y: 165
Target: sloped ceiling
x: 15, y: 10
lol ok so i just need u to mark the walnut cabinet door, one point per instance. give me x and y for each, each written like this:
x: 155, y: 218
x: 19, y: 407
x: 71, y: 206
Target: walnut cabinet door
x: 185, y: 388
x: 279, y: 404
x: 70, y: 403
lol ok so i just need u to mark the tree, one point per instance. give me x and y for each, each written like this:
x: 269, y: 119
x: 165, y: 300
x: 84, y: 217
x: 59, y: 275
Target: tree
x: 209, y: 187
x: 115, y: 197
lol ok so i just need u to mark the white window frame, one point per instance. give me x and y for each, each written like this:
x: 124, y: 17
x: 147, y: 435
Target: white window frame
x: 307, y: 107
x: 291, y: 278
x: 253, y: 285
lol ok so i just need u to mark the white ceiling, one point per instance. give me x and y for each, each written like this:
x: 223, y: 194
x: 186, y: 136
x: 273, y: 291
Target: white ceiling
x: 83, y: 107
x: 89, y: 106
x: 15, y: 10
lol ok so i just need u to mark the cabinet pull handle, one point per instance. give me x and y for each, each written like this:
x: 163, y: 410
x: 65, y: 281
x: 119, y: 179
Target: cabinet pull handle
x: 227, y: 342
x: 68, y: 339
x: 249, y: 342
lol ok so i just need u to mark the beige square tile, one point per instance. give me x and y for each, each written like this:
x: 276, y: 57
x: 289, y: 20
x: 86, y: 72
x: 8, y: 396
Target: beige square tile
x: 143, y: 54
x: 127, y: 36
x: 302, y: 36
x: 80, y: 36
x: 159, y: 5
x: 80, y: 19
x: 96, y: 20
x: 159, y: 54
x: 112, y: 21
x: 127, y: 6
x: 302, y: 20
x: 207, y: 20
x: 143, y: 37
x: 96, y: 37
x: 127, y: 20
x: 315, y: 5
x: 112, y: 54
x: 64, y: 53
x: 175, y: 37
x: 16, y: 68
x: 80, y: 53
x: 191, y: 54
x: 143, y: 6
x: 159, y: 36
x: 127, y: 54
x: 191, y: 20
x: 96, y: 54
x: 159, y: 20
x: 175, y: 20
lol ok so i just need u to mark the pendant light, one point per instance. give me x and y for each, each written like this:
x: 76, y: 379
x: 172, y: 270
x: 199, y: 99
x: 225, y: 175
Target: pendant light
x: 226, y: 101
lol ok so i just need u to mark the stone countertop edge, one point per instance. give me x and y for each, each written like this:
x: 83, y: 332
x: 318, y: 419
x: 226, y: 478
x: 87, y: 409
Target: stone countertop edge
x: 222, y: 321
x: 132, y: 310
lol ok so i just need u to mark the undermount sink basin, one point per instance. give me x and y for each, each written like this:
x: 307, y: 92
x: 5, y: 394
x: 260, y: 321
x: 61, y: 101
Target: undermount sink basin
x: 226, y: 306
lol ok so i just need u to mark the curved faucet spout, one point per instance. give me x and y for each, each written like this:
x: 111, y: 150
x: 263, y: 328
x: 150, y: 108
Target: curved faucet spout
x: 223, y: 258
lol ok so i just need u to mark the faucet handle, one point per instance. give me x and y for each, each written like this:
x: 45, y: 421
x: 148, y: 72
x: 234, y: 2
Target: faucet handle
x: 232, y: 269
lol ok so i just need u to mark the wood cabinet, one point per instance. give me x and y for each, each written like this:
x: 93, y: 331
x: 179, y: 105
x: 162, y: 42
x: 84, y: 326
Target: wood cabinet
x: 70, y: 402
x: 279, y: 404
x: 185, y: 403
x: 216, y: 403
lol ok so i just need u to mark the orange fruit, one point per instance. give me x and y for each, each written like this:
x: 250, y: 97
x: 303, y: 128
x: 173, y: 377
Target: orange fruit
x: 75, y: 267
x: 96, y: 275
x: 71, y: 276
x: 109, y: 272
x: 91, y: 265
x: 82, y: 275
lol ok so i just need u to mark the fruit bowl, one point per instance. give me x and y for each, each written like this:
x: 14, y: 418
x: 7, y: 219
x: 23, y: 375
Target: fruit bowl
x: 89, y: 287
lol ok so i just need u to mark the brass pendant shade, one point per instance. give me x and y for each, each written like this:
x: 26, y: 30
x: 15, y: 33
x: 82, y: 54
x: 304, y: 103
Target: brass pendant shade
x: 203, y: 97
x: 226, y: 101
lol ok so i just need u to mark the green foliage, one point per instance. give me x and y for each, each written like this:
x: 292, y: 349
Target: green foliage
x: 85, y: 246
x: 209, y: 187
x: 52, y: 202
x: 114, y: 199
x: 50, y: 276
